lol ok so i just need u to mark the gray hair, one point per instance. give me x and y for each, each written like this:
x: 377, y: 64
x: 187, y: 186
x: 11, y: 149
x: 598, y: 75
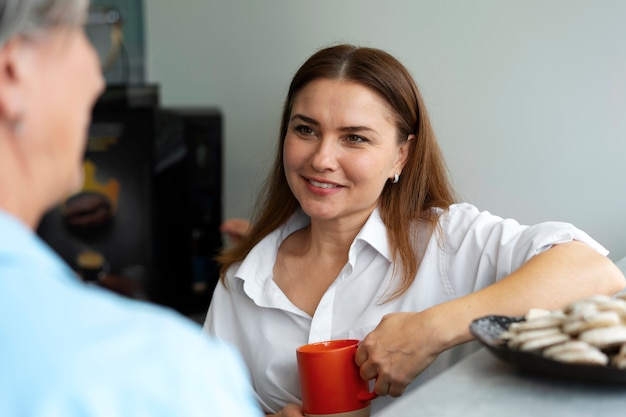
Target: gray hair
x: 27, y: 17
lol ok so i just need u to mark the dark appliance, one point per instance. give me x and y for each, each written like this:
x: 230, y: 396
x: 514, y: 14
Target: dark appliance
x: 188, y: 205
x: 146, y: 222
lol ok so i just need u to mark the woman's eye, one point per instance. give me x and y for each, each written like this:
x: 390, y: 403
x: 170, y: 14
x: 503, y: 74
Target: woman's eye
x: 304, y: 130
x: 356, y: 139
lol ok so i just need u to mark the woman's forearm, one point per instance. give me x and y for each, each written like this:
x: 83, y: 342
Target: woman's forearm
x: 562, y: 274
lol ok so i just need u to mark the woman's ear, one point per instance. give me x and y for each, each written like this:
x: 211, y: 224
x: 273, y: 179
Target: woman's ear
x: 11, y: 95
x: 403, y: 153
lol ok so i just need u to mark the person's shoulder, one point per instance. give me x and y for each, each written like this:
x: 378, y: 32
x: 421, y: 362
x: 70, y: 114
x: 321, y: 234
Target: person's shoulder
x: 95, y: 314
x: 463, y: 208
x: 455, y: 213
x: 166, y: 352
x: 86, y: 342
x: 151, y: 320
x: 202, y: 374
x: 462, y: 218
x: 467, y: 212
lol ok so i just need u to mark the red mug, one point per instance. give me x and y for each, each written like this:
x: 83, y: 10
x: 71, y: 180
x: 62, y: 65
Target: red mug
x: 330, y: 381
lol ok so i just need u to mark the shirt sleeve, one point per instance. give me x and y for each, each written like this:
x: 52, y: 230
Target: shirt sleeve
x: 481, y: 248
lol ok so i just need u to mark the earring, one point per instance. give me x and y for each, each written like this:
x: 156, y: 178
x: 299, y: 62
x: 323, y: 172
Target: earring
x: 396, y: 178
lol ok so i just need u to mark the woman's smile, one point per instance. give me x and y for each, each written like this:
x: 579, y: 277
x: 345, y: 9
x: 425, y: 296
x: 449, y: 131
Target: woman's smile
x: 322, y: 184
x: 344, y: 131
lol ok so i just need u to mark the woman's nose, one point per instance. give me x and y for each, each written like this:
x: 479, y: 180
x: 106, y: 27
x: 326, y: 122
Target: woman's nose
x: 324, y: 156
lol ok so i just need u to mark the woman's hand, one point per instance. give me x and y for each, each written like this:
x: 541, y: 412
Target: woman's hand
x: 290, y: 410
x: 404, y: 344
x: 397, y: 350
x: 235, y: 229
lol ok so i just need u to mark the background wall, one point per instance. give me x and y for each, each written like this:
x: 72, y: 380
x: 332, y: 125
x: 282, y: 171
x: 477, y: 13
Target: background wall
x: 528, y: 97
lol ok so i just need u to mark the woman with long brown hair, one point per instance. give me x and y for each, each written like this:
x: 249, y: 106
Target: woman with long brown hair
x: 358, y: 235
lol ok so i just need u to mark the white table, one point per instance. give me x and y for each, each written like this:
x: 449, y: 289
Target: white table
x: 482, y: 385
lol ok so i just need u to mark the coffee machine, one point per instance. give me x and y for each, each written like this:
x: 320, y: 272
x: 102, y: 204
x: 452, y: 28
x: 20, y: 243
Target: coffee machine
x: 146, y: 221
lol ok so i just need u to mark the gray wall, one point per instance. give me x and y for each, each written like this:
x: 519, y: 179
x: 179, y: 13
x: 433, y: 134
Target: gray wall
x: 528, y: 97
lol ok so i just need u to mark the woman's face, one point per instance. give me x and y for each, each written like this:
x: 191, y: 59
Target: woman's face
x: 340, y: 149
x: 65, y: 82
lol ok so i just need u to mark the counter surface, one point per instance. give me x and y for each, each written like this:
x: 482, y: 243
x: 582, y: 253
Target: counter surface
x: 483, y: 385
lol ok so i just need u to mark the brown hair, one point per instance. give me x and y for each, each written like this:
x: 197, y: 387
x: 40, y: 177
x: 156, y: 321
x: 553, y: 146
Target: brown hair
x: 424, y: 185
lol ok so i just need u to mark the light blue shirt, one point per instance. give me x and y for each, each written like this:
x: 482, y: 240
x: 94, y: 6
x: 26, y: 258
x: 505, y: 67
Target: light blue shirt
x: 68, y: 349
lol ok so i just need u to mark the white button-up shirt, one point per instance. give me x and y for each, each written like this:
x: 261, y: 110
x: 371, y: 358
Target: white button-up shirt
x: 475, y: 250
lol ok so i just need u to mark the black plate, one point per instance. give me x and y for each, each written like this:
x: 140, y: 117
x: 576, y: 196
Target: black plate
x: 488, y: 329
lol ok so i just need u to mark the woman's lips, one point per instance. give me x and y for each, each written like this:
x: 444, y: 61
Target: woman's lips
x: 322, y: 184
x: 322, y: 188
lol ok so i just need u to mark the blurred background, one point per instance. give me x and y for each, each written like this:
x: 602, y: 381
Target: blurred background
x: 528, y: 99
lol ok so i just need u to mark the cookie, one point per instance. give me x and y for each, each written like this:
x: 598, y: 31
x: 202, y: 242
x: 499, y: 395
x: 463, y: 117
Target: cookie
x: 569, y: 346
x: 535, y: 313
x: 520, y: 338
x: 589, y: 331
x: 544, y: 342
x: 576, y: 351
x: 599, y: 319
x: 542, y: 322
x: 581, y: 310
x: 615, y: 304
x: 605, y: 337
x: 588, y: 357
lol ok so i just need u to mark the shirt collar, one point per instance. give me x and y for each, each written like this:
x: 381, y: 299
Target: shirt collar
x: 19, y: 242
x: 15, y: 236
x: 259, y: 264
x: 373, y: 233
x: 257, y: 267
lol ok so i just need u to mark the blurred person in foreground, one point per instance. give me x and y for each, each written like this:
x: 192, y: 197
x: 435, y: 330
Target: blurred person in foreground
x: 67, y: 349
x: 358, y: 235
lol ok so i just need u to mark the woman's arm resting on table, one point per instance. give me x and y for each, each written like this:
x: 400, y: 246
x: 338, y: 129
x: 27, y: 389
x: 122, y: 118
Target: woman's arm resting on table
x: 404, y: 344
